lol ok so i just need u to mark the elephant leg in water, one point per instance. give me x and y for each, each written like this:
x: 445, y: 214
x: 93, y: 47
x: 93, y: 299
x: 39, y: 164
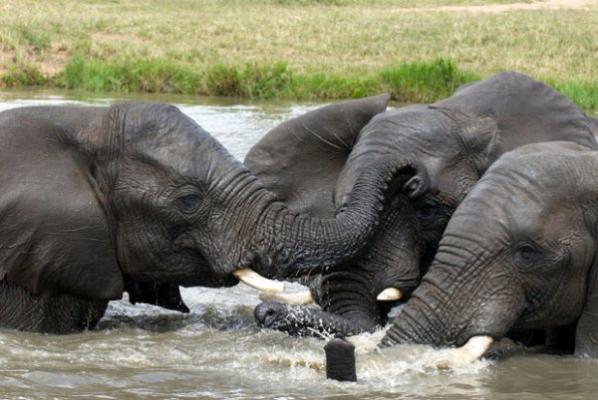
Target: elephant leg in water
x: 159, y: 294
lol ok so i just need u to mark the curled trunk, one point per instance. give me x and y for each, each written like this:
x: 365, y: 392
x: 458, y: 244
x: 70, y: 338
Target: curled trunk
x: 319, y: 243
x: 280, y: 242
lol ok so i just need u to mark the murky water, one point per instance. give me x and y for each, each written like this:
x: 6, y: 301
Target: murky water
x: 216, y: 352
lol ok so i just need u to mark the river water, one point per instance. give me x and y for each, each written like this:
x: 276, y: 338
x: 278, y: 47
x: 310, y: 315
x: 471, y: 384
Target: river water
x: 217, y: 352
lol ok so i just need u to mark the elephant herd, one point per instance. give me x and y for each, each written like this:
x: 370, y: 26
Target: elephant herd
x: 478, y: 213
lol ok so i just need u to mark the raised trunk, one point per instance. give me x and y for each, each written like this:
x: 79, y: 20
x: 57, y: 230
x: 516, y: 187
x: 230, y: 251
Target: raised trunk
x: 303, y: 243
x: 278, y: 242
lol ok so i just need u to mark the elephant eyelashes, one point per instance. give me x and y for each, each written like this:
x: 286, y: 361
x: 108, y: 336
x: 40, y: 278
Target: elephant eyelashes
x: 188, y: 203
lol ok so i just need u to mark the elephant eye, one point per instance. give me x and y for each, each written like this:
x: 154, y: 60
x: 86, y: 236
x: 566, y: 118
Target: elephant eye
x: 527, y: 255
x: 188, y: 203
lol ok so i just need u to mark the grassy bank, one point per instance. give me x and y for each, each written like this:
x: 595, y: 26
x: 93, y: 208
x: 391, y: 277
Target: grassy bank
x: 298, y: 49
x: 415, y: 81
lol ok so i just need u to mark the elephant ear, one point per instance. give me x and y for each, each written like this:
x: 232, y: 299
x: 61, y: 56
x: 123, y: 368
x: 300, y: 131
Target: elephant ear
x: 54, y: 231
x: 524, y: 110
x: 300, y: 159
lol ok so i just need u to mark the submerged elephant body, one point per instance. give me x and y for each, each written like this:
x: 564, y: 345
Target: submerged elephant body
x: 449, y: 145
x: 94, y: 196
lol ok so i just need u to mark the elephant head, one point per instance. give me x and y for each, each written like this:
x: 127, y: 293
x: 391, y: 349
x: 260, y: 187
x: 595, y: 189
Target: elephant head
x: 449, y: 145
x: 519, y: 252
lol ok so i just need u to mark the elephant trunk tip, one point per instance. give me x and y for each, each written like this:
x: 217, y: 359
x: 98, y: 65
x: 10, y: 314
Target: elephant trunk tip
x: 340, y: 360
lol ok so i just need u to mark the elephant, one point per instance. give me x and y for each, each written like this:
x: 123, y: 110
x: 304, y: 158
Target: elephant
x: 520, y: 252
x: 301, y: 162
x: 137, y: 196
x: 449, y: 145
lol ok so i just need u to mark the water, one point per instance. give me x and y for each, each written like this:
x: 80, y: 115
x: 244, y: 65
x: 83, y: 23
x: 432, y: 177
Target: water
x: 217, y: 352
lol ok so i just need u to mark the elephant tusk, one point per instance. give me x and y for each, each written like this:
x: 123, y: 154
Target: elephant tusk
x: 255, y: 280
x: 301, y: 298
x: 390, y: 294
x: 468, y: 353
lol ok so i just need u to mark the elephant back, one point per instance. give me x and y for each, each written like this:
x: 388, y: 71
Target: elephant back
x: 300, y: 160
x: 525, y: 111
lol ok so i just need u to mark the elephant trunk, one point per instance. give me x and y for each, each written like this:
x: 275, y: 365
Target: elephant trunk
x: 454, y: 304
x: 299, y: 320
x: 304, y: 244
x: 347, y: 307
x: 394, y: 256
x: 255, y: 229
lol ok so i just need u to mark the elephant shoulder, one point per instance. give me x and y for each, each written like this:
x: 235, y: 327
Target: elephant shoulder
x: 300, y: 159
x: 54, y: 233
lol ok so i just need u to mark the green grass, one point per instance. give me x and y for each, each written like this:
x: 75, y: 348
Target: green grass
x: 416, y: 81
x: 130, y: 75
x: 23, y: 75
x: 293, y: 49
x: 583, y: 93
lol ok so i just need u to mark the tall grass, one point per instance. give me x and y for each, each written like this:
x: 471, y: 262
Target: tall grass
x: 127, y: 75
x: 407, y: 82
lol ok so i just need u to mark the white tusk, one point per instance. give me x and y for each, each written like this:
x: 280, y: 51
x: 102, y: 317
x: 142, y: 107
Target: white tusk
x: 253, y: 279
x: 466, y: 354
x: 302, y: 298
x: 390, y: 294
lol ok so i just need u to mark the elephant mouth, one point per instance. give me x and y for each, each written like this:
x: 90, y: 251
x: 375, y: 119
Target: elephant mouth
x: 244, y: 272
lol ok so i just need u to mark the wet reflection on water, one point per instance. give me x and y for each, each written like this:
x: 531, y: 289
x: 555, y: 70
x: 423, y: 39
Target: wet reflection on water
x: 216, y: 351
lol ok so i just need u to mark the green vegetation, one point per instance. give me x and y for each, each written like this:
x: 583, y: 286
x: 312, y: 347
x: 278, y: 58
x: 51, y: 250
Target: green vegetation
x: 295, y: 49
x: 417, y: 81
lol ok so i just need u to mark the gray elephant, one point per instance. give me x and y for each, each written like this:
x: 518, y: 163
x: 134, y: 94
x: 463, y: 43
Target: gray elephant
x: 94, y: 196
x: 448, y: 145
x: 519, y: 252
x: 301, y: 160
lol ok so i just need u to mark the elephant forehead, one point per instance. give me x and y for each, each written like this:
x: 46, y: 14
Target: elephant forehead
x: 162, y: 134
x: 528, y: 196
x: 550, y: 169
x: 415, y: 133
x: 408, y: 128
x: 184, y: 151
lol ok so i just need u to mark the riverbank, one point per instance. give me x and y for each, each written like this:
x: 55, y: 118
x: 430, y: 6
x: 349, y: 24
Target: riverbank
x: 297, y: 49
